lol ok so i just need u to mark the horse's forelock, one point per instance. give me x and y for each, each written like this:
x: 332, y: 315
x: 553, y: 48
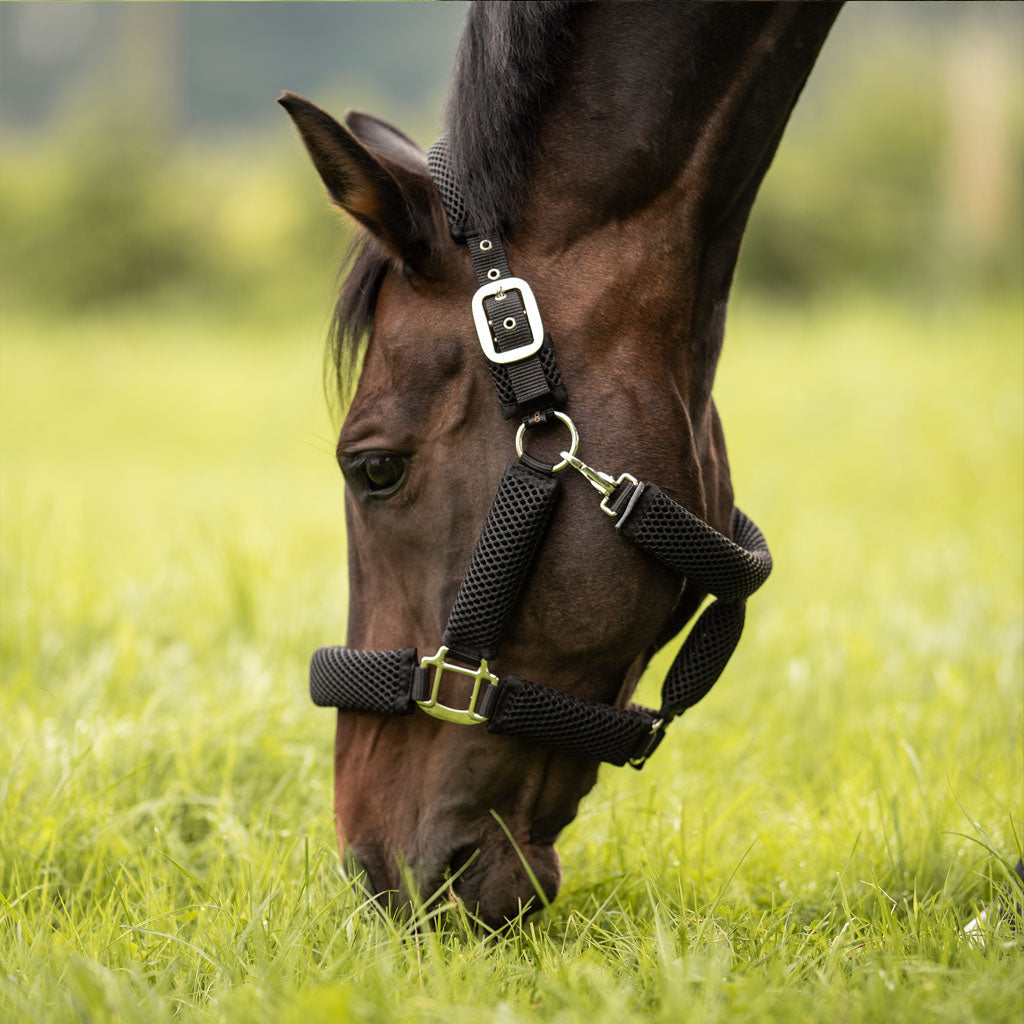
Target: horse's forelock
x: 353, y: 314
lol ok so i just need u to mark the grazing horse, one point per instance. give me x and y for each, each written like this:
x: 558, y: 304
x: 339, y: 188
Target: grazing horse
x: 612, y: 152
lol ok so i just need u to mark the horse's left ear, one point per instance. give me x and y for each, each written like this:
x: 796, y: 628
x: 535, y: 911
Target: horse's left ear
x: 374, y: 173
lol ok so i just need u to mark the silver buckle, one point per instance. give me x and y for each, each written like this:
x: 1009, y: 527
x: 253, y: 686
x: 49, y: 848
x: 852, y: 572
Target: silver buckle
x: 462, y: 716
x: 483, y: 326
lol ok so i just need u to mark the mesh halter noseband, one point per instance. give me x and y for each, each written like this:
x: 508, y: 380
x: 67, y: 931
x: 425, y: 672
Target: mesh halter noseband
x: 521, y: 359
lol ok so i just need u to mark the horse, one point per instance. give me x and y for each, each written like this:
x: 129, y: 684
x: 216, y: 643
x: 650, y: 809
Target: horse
x: 608, y: 155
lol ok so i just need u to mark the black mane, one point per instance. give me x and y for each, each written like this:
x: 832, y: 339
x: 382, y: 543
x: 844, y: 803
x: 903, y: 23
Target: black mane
x: 504, y: 71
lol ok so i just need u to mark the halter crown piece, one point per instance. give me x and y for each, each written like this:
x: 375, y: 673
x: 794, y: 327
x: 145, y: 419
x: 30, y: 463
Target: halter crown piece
x: 521, y: 359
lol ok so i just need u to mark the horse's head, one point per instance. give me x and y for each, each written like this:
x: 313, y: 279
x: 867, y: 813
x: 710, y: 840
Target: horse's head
x: 634, y: 305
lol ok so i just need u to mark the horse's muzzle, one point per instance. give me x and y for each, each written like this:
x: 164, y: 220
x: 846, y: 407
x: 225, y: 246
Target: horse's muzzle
x: 495, y: 884
x: 489, y: 879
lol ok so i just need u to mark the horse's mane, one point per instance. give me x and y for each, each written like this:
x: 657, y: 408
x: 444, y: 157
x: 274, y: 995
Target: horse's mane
x: 504, y: 70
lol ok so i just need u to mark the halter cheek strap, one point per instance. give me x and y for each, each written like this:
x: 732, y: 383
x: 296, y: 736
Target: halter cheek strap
x: 524, y: 369
x: 520, y: 355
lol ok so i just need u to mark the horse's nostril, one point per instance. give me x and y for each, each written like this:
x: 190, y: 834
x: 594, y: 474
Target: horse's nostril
x: 492, y: 883
x: 461, y: 859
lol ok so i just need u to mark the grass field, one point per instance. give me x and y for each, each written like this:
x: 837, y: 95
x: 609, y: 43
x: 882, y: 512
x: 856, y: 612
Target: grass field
x: 807, y: 844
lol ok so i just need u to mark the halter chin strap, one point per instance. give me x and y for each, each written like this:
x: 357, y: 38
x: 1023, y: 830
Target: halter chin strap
x: 522, y: 362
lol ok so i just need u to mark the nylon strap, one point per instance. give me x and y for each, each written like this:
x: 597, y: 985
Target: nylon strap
x: 501, y: 561
x: 378, y: 681
x: 343, y: 678
x: 530, y: 384
x: 729, y: 569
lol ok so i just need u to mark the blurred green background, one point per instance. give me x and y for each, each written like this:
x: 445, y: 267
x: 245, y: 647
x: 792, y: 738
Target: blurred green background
x: 145, y: 162
x: 169, y: 264
x: 172, y: 544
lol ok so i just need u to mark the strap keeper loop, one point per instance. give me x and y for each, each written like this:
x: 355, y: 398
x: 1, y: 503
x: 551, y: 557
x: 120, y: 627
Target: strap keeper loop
x: 420, y: 689
x: 624, y: 504
x: 539, y: 417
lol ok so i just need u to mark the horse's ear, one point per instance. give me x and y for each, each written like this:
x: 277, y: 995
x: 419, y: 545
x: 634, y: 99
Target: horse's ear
x: 387, y: 141
x: 378, y: 181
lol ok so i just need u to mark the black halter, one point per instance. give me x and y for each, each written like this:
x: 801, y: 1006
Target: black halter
x: 522, y: 363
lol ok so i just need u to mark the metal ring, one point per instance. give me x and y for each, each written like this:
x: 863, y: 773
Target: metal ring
x: 574, y: 441
x: 486, y: 245
x: 493, y: 274
x: 509, y: 323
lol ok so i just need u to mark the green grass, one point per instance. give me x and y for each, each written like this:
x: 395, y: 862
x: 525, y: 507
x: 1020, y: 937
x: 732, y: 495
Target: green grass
x: 807, y: 844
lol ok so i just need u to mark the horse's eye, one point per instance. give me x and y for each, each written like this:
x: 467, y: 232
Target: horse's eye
x: 383, y: 472
x: 377, y: 473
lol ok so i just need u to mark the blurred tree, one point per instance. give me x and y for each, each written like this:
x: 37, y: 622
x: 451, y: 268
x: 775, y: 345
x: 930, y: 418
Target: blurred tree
x: 899, y: 171
x: 142, y: 157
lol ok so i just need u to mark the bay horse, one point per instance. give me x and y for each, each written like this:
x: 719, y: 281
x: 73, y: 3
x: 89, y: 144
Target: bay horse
x: 609, y: 154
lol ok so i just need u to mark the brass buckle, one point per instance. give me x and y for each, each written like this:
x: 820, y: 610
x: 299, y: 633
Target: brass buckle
x: 461, y: 716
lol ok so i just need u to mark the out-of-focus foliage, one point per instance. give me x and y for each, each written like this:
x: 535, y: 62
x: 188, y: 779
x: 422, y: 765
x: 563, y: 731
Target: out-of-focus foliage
x: 143, y: 159
x: 900, y: 172
x: 897, y: 174
x: 101, y: 217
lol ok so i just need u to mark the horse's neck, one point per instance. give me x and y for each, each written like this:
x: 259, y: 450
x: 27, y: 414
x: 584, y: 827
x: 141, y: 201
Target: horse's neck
x: 660, y: 130
x: 691, y: 97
